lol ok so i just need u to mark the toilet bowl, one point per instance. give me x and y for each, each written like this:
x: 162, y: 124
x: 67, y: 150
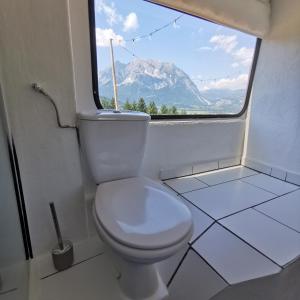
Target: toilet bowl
x: 139, y: 220
x: 142, y: 224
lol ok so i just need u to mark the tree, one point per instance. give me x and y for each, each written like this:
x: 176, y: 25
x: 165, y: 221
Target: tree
x: 164, y: 110
x: 152, y: 108
x: 112, y: 103
x: 106, y: 103
x: 127, y: 105
x: 183, y: 112
x: 142, y: 106
x: 173, y: 110
x: 134, y: 106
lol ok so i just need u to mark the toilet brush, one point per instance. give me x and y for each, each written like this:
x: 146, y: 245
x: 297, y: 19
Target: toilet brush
x: 62, y: 253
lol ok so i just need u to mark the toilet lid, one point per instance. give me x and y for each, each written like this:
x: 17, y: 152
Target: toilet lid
x: 141, y: 213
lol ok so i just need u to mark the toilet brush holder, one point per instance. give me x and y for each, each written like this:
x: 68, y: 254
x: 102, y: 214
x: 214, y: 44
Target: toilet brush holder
x: 62, y: 253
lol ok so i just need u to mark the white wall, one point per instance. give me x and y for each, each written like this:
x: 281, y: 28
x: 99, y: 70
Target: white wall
x: 275, y: 115
x: 36, y: 45
x: 172, y: 145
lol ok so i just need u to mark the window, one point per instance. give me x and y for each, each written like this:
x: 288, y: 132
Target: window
x: 150, y: 58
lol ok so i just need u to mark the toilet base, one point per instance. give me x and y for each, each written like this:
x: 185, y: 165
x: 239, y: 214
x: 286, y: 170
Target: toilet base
x: 141, y: 282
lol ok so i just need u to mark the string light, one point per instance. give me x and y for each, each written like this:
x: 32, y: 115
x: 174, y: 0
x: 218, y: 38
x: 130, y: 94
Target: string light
x: 149, y: 37
x: 130, y: 52
x: 144, y: 36
x: 150, y: 34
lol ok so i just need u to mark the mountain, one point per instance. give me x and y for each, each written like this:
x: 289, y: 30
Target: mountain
x: 225, y: 100
x: 167, y: 84
x: 161, y: 82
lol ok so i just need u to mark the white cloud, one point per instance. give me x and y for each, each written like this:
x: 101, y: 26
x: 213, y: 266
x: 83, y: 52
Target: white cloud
x: 224, y: 42
x: 243, y: 56
x: 104, y: 35
x: 110, y: 12
x: 131, y: 22
x: 236, y: 83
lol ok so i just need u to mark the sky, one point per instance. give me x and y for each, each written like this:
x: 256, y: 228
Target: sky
x: 214, y: 56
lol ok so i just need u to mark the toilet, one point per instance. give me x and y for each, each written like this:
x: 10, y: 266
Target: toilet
x: 138, y: 219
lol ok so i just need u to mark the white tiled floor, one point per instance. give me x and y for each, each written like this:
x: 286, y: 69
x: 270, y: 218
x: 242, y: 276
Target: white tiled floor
x: 85, y: 249
x: 275, y: 240
x: 12, y: 295
x: 14, y: 281
x: 91, y: 280
x: 228, y: 198
x: 224, y: 175
x: 185, y: 184
x: 195, y: 280
x: 167, y: 267
x: 201, y: 220
x: 270, y: 184
x: 217, y: 252
x: 285, y: 209
x: 259, y: 243
x: 231, y: 257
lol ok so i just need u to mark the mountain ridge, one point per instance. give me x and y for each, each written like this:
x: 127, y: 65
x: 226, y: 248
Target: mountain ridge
x: 164, y: 83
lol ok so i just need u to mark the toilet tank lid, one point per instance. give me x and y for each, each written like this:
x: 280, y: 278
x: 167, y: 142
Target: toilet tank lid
x: 109, y: 115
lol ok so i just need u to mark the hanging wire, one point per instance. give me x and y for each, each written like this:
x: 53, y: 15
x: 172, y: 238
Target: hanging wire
x: 150, y: 34
x: 128, y: 51
x: 36, y: 87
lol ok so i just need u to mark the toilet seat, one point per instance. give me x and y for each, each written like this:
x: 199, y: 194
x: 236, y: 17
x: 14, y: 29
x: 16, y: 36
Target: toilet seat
x: 140, y: 213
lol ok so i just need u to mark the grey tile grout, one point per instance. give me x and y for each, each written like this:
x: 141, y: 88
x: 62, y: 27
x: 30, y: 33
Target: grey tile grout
x: 285, y: 179
x: 8, y: 291
x: 240, y: 164
x: 243, y: 240
x: 297, y: 187
x: 218, y: 168
x: 239, y: 179
x: 259, y: 187
x: 214, y: 269
x: 219, y: 219
x: 202, y: 233
x: 272, y: 218
x: 231, y: 214
x: 231, y: 180
x: 277, y: 196
x: 190, y: 248
x: 207, y: 185
x: 216, y: 221
x: 74, y: 265
x: 178, y: 267
x: 203, y: 182
x: 197, y: 207
x: 237, y: 212
x: 179, y: 193
x: 253, y: 206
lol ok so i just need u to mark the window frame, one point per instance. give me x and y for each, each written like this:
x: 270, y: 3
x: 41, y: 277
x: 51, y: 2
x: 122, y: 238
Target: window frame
x: 95, y: 86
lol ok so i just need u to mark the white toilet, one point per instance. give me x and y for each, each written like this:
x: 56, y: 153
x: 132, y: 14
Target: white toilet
x: 137, y: 218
